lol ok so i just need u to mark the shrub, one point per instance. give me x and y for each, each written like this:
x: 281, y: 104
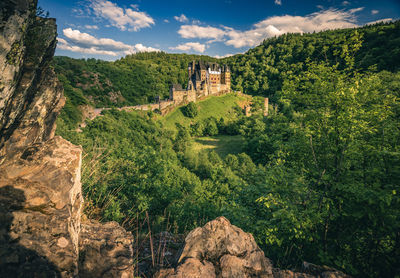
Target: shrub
x: 190, y: 110
x: 211, y: 128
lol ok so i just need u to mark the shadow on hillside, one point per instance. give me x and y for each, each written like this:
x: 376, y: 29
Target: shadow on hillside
x: 212, y: 143
x: 15, y: 259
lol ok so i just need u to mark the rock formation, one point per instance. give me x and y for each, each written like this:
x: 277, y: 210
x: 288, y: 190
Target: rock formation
x: 220, y: 249
x: 106, y: 250
x: 40, y: 187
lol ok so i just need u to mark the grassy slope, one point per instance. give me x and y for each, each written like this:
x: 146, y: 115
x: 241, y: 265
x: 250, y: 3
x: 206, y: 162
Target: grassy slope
x: 221, y: 144
x: 214, y: 106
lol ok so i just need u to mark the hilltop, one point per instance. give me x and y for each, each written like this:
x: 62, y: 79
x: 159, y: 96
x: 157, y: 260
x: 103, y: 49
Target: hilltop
x: 263, y: 70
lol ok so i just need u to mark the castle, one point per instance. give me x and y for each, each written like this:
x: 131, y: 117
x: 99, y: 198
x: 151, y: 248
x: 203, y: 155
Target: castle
x: 204, y: 79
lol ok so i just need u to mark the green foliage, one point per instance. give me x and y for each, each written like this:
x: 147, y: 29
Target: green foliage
x: 263, y: 69
x: 211, y: 127
x: 190, y: 110
x: 319, y: 177
x: 331, y: 157
x: 14, y: 53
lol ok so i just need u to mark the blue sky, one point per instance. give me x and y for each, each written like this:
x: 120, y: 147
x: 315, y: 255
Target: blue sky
x: 110, y: 29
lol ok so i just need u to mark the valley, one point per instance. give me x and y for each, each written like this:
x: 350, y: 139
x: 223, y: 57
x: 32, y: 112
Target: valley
x: 279, y: 161
x: 296, y: 179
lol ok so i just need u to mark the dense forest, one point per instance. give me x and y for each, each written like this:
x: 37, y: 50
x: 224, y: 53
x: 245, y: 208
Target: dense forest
x: 318, y: 178
x: 263, y: 69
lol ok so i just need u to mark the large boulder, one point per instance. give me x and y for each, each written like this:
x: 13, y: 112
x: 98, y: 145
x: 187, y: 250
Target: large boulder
x: 41, y: 202
x: 105, y: 250
x: 219, y: 249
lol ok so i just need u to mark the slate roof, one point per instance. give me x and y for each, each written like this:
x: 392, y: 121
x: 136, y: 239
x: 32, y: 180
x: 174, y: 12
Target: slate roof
x: 198, y: 76
x: 202, y: 66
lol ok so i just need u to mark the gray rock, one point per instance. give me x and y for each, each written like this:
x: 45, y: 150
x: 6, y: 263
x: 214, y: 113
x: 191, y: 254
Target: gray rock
x: 105, y: 250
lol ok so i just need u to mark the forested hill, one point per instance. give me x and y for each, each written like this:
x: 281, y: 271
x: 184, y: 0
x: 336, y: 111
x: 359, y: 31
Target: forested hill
x: 138, y: 78
x: 134, y: 79
x: 262, y: 70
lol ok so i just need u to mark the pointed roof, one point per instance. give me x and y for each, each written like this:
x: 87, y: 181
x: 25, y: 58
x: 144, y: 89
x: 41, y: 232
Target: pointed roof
x: 202, y: 66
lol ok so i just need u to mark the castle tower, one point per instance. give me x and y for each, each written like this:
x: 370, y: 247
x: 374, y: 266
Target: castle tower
x: 191, y: 69
x: 202, y: 70
x: 226, y: 77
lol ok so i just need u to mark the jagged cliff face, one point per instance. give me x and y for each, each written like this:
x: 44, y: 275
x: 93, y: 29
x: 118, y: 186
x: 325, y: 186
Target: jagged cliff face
x: 30, y: 95
x: 39, y: 173
x: 40, y: 187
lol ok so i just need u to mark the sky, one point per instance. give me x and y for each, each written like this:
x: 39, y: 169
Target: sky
x: 110, y: 29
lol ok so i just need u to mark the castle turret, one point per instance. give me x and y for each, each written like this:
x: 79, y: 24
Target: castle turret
x: 226, y: 77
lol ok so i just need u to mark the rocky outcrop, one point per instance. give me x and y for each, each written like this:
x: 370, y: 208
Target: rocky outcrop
x: 220, y: 249
x: 45, y: 215
x: 105, y: 250
x: 40, y: 187
x: 30, y: 95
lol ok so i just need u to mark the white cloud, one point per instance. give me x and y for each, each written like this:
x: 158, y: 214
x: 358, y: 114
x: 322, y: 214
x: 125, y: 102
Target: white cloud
x: 181, y: 18
x: 224, y: 56
x: 320, y: 7
x: 135, y: 6
x: 195, y: 31
x: 374, y: 11
x: 384, y: 20
x: 190, y: 46
x: 345, y: 3
x: 274, y: 26
x: 123, y: 19
x: 64, y: 45
x: 356, y: 10
x: 166, y: 20
x: 278, y: 2
x: 95, y: 27
x: 77, y: 41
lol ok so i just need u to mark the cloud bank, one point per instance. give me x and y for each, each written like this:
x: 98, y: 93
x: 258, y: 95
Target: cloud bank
x: 77, y: 41
x: 273, y: 26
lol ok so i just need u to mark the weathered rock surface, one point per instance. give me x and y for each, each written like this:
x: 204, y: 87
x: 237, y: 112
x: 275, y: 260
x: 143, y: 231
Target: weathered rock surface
x: 105, y: 250
x: 30, y: 94
x: 220, y: 249
x: 40, y: 209
x: 40, y: 187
